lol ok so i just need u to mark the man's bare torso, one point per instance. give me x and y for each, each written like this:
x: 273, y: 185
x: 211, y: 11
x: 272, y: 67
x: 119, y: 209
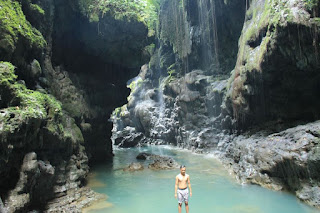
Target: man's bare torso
x: 182, y: 181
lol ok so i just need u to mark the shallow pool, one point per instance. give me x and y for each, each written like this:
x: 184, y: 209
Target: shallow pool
x: 214, y: 190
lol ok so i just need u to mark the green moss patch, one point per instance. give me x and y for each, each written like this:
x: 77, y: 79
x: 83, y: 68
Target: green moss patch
x: 13, y: 25
x: 143, y: 11
x: 311, y: 4
x: 25, y: 105
x: 36, y: 9
x: 257, y: 40
x: 119, y: 112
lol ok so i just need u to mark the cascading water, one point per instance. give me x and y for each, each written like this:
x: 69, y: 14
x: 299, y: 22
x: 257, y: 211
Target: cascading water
x: 161, y: 101
x: 208, y: 32
x: 159, y: 126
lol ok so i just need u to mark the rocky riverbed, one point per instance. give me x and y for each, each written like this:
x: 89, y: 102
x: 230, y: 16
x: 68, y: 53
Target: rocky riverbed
x: 287, y: 160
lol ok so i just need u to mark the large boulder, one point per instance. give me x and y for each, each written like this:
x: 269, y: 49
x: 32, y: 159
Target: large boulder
x: 159, y: 162
x: 163, y: 162
x: 144, y: 156
x: 131, y: 140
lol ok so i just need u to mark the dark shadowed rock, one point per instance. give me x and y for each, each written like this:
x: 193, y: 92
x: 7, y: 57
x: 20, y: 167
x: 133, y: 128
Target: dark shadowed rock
x: 131, y: 140
x: 144, y: 156
x: 159, y: 162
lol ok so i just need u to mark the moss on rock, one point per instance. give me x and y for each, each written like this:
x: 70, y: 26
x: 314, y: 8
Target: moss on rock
x: 254, y: 86
x: 175, y: 27
x: 37, y: 9
x: 25, y: 104
x: 15, y: 26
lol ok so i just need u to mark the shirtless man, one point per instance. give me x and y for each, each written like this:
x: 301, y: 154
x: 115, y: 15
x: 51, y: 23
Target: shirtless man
x: 181, y: 189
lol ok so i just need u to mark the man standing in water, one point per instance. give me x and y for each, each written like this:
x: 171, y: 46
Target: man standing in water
x: 181, y: 189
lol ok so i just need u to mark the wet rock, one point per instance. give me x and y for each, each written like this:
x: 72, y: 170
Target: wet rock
x: 74, y: 201
x: 20, y: 196
x: 255, y: 93
x: 119, y: 136
x: 131, y: 140
x: 162, y: 162
x: 144, y: 156
x: 134, y: 167
x: 288, y: 160
x: 310, y: 194
x: 45, y: 167
x: 33, y: 174
x: 159, y: 162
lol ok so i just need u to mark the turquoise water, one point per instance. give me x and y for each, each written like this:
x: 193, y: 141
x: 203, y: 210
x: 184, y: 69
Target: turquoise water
x: 214, y: 190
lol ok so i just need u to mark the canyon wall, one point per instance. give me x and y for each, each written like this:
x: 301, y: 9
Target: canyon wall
x: 62, y: 74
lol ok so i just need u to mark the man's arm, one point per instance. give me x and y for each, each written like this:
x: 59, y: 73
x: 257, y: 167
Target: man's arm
x: 176, y: 187
x: 189, y: 185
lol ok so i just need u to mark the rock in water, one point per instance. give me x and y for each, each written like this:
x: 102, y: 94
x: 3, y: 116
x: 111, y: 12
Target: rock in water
x: 134, y: 167
x: 161, y: 162
x: 144, y: 156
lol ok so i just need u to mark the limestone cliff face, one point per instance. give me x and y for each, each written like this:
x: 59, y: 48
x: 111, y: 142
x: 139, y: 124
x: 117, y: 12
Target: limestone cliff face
x: 277, y: 72
x: 202, y: 89
x: 59, y: 76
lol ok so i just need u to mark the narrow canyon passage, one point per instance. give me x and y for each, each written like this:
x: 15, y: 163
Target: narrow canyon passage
x: 85, y: 85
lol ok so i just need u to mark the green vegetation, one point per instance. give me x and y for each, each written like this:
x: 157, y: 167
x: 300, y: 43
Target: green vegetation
x: 257, y: 40
x: 133, y: 86
x: 316, y: 21
x: 37, y: 9
x: 120, y: 111
x: 14, y: 25
x: 172, y: 72
x: 311, y: 4
x: 25, y: 105
x: 264, y: 18
x: 175, y: 27
x: 141, y: 10
x: 150, y: 49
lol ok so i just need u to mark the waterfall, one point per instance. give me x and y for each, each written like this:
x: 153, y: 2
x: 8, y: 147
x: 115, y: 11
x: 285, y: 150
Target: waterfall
x: 208, y: 33
x: 215, y: 32
x: 161, y: 101
x: 160, y: 123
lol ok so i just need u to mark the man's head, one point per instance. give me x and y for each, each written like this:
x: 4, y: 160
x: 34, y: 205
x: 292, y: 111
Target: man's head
x: 183, y: 169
